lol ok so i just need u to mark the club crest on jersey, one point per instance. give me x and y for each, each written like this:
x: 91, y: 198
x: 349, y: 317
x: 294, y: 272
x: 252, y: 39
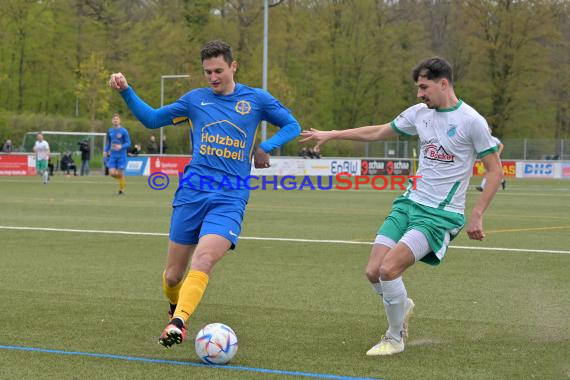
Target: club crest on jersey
x: 243, y: 107
x: 118, y: 136
x: 435, y: 153
x: 452, y: 130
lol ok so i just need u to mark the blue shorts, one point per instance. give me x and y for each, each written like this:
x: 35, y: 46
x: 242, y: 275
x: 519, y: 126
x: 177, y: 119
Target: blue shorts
x: 117, y: 162
x: 207, y: 213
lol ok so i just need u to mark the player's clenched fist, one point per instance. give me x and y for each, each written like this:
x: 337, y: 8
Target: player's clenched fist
x: 118, y: 82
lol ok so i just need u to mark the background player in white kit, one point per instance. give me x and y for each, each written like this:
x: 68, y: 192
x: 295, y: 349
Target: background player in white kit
x: 41, y: 149
x: 422, y: 222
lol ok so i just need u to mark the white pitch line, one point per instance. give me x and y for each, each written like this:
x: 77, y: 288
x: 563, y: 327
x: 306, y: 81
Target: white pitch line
x: 268, y: 239
x: 83, y: 231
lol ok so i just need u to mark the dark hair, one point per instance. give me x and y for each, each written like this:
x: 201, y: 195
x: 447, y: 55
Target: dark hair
x: 214, y: 49
x: 432, y: 69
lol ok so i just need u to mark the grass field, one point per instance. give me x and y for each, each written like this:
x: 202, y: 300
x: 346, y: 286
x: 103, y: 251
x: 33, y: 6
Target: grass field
x: 301, y: 307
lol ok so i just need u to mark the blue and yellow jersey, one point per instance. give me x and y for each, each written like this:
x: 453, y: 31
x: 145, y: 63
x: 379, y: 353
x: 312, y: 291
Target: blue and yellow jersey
x: 118, y: 136
x: 222, y: 129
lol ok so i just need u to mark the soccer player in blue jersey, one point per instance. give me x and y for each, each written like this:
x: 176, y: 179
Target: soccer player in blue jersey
x: 208, y: 207
x: 118, y: 142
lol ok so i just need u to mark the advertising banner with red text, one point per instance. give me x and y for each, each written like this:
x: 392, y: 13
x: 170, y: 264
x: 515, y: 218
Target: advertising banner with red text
x: 386, y: 167
x: 169, y: 165
x: 565, y: 170
x: 17, y: 164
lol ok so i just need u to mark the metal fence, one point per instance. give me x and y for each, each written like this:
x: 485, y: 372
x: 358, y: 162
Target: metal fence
x: 515, y: 149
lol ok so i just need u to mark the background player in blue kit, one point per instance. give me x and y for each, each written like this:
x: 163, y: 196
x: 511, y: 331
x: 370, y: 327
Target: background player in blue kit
x: 208, y: 209
x: 118, y: 142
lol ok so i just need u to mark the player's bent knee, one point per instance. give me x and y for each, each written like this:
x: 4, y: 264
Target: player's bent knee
x: 373, y: 274
x: 389, y: 272
x: 173, y: 276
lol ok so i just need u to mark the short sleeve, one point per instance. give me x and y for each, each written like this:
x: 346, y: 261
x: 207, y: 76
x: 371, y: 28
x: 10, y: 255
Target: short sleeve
x: 405, y: 123
x: 483, y: 142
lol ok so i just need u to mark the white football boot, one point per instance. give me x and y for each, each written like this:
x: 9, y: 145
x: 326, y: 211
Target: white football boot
x: 387, y: 346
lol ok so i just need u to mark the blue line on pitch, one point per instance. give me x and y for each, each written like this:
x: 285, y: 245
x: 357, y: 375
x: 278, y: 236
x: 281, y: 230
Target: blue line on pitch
x: 192, y: 364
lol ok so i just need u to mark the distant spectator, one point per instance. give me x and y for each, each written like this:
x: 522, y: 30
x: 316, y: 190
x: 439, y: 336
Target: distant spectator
x: 85, y: 156
x: 51, y: 167
x: 164, y: 145
x: 67, y: 164
x: 135, y: 150
x: 152, y: 146
x: 315, y: 152
x: 304, y: 152
x: 8, y: 147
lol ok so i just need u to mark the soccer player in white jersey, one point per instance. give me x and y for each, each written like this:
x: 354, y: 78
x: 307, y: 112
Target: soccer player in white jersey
x: 41, y: 149
x: 426, y: 218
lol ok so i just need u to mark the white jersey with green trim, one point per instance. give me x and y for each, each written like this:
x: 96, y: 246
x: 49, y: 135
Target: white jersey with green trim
x: 450, y: 142
x: 42, y: 149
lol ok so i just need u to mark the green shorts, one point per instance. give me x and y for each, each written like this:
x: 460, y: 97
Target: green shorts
x: 439, y: 226
x: 41, y: 165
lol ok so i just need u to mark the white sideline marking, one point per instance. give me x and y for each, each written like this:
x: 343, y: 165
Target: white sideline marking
x: 268, y: 239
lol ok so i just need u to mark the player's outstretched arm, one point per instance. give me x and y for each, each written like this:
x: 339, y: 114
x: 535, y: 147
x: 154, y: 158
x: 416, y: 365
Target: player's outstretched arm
x: 286, y: 133
x: 494, y: 176
x: 368, y: 133
x: 150, y: 117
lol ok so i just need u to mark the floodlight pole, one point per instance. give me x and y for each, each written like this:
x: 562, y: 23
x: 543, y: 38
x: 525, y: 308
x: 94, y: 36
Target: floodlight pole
x: 265, y: 49
x: 162, y: 78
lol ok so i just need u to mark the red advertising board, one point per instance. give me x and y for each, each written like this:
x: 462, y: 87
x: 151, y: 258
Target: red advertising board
x: 168, y: 165
x: 17, y: 164
x: 509, y: 168
x: 386, y: 167
x: 565, y: 171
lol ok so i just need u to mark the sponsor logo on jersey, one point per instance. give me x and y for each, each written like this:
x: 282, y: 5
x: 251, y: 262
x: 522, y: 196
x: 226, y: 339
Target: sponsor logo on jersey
x: 437, y: 153
x: 219, y: 139
x: 243, y: 107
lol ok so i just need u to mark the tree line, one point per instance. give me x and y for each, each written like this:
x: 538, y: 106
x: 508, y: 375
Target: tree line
x: 335, y: 63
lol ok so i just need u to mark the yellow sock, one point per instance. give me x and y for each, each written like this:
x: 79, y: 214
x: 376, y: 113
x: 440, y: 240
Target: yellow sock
x: 171, y: 293
x: 122, y: 183
x: 191, y: 293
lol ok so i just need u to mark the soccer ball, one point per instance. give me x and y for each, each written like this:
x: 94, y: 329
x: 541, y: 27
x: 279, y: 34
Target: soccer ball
x: 216, y: 343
